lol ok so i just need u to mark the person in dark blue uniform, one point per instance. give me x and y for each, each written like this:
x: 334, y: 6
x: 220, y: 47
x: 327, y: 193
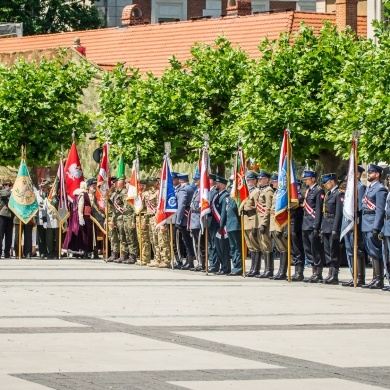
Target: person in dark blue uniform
x: 212, y: 254
x: 221, y: 239
x: 231, y: 219
x: 330, y: 227
x: 349, y: 239
x: 385, y: 236
x: 184, y: 197
x: 373, y: 215
x: 314, y: 199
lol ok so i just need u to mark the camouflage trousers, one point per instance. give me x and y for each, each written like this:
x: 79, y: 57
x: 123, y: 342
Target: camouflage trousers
x: 164, y: 244
x: 128, y: 237
x: 113, y: 236
x: 153, y: 234
x: 144, y: 236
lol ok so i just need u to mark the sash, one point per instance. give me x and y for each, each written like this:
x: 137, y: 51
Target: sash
x: 217, y: 217
x: 150, y: 206
x: 117, y: 206
x: 261, y: 208
x: 308, y: 209
x: 369, y: 204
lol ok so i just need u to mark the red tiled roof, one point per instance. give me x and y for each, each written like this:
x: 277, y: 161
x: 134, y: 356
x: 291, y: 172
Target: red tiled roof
x: 148, y: 47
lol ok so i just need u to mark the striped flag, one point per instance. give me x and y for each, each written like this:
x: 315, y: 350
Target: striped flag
x: 103, y: 179
x: 204, y: 190
x: 73, y: 172
x: 57, y: 199
x: 285, y: 164
x: 240, y: 191
x: 167, y: 203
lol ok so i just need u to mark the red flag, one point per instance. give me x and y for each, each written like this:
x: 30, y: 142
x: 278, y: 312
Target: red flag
x: 167, y: 203
x: 73, y: 172
x: 240, y: 191
x: 103, y: 179
x: 204, y: 190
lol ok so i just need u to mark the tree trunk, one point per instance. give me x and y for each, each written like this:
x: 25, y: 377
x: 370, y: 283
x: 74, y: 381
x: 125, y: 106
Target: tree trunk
x: 219, y: 169
x: 333, y: 163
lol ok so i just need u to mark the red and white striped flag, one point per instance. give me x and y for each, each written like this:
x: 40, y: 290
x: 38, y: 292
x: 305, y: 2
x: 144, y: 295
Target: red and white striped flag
x: 204, y: 190
x: 73, y: 172
x: 103, y: 179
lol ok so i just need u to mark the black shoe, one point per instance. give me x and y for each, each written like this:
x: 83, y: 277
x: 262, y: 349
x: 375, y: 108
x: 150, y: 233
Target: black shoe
x: 235, y: 274
x: 386, y: 288
x: 348, y: 284
x: 213, y: 270
x: 221, y: 273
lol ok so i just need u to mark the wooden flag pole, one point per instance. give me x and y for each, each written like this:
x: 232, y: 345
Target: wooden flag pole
x: 171, y: 243
x: 20, y: 240
x: 206, y: 244
x: 243, y: 251
x: 355, y: 207
x: 59, y: 238
x: 288, y: 209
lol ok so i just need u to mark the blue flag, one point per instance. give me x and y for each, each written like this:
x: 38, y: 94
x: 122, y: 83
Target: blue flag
x: 23, y: 201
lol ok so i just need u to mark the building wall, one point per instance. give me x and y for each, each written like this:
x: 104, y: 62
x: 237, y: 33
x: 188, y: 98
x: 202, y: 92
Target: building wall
x: 195, y: 8
x: 330, y: 6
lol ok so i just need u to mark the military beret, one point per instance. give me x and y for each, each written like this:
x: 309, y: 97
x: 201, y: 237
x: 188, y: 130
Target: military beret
x: 374, y: 168
x: 222, y: 180
x: 328, y: 176
x: 274, y: 177
x: 144, y: 182
x: 91, y: 181
x: 360, y: 169
x: 197, y: 176
x: 263, y: 174
x: 45, y: 183
x: 5, y: 193
x: 251, y: 175
x: 308, y: 173
x: 182, y: 176
x: 213, y: 176
x: 174, y: 175
x: 7, y: 182
x: 114, y: 179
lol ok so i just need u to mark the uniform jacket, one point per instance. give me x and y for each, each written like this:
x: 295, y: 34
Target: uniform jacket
x: 314, y: 198
x: 375, y: 193
x: 4, y: 210
x: 195, y: 211
x: 333, y: 211
x: 219, y: 204
x: 230, y: 217
x: 184, y: 198
x: 213, y: 192
x: 41, y: 215
x: 297, y: 215
x: 249, y: 208
x: 151, y: 199
x: 264, y: 201
x: 386, y: 223
x: 273, y: 226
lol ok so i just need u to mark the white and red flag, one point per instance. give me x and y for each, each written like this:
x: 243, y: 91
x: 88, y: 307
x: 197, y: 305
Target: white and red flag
x: 204, y: 190
x: 73, y: 172
x: 167, y: 203
x: 240, y: 191
x: 103, y: 179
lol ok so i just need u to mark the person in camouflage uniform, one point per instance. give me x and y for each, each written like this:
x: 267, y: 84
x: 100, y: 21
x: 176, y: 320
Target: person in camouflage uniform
x: 126, y: 225
x: 113, y: 235
x: 142, y: 221
x: 151, y: 199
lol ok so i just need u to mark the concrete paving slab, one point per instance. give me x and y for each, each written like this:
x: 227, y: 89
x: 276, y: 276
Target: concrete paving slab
x: 106, y: 352
x: 340, y: 348
x: 8, y: 382
x: 22, y: 322
x: 277, y: 384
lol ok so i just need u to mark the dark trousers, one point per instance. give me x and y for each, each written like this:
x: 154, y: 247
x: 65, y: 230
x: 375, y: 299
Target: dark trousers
x: 349, y: 241
x: 332, y: 250
x: 52, y: 242
x: 313, y: 248
x: 6, y: 226
x: 27, y: 243
x: 223, y: 254
x: 41, y: 238
x: 298, y: 252
x: 200, y: 245
x: 213, y: 260
x: 235, y: 243
x: 373, y: 246
x: 187, y: 241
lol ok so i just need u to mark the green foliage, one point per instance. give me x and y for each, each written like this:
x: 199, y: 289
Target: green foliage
x: 50, y: 16
x: 39, y: 108
x: 189, y: 100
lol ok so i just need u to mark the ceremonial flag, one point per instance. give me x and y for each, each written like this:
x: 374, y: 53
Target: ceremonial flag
x: 103, y: 179
x: 121, y: 168
x: 240, y: 191
x: 349, y: 199
x: 57, y: 199
x: 23, y: 202
x: 132, y: 192
x: 167, y: 203
x: 285, y: 164
x: 204, y: 190
x: 73, y: 172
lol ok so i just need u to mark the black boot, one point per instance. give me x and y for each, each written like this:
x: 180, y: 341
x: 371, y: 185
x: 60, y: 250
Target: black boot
x: 264, y: 274
x: 313, y: 275
x: 361, y: 277
x: 253, y: 255
x: 330, y: 273
x: 298, y: 276
x: 189, y: 263
x: 318, y: 276
x: 334, y: 278
x: 271, y: 265
x: 256, y: 267
x: 348, y: 284
x: 368, y: 285
x: 282, y: 273
x: 378, y: 284
x: 85, y: 255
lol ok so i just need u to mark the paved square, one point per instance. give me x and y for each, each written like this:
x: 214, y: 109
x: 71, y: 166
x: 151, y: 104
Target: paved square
x: 88, y: 325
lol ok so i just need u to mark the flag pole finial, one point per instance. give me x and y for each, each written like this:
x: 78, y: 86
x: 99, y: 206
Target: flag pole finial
x: 206, y: 139
x: 23, y: 152
x: 167, y: 147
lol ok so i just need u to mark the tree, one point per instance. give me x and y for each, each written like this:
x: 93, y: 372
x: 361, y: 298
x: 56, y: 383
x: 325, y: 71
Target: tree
x: 51, y: 16
x: 297, y: 83
x: 190, y: 99
x: 39, y: 108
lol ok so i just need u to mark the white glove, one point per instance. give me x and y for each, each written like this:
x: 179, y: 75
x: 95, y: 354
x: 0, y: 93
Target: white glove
x: 82, y: 222
x: 45, y: 225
